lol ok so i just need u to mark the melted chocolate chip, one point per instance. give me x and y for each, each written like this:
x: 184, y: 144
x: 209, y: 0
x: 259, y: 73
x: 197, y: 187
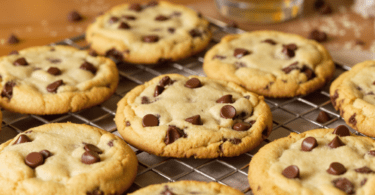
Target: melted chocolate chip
x: 8, y: 89
x: 195, y: 33
x: 173, y: 133
x: 45, y: 153
x: 22, y: 139
x: 93, y: 148
x: 341, y: 131
x: 241, y: 126
x: 52, y: 88
x: 219, y: 57
x: 124, y: 25
x: 289, y: 50
x: 226, y: 99
x: 171, y: 30
x: 152, y: 4
x: 74, y: 16
x: 270, y: 41
x: 291, y: 67
x: 135, y: 7
x: 323, y: 117
x: 145, y: 100
x: 166, y: 81
x: 308, y: 144
x: 13, y: 39
x: 110, y: 143
x: 113, y: 20
x: 352, y: 120
x: 20, y: 62
x: 88, y: 66
x: 336, y: 168
x: 240, y: 52
x: 334, y: 97
x: 336, y: 142
x: 193, y: 83
x: 150, y: 120
x: 234, y: 141
x: 365, y: 170
x: 363, y: 182
x: 14, y: 52
x: 128, y: 17
x: 150, y: 39
x: 161, y: 18
x: 158, y: 90
x: 54, y: 71
x: 195, y: 120
x: 228, y: 112
x: 344, y: 185
x: 93, y: 53
x: 90, y: 157
x: 114, y: 54
x: 291, y: 172
x: 127, y: 123
x: 34, y: 159
x: 308, y: 72
x: 318, y: 35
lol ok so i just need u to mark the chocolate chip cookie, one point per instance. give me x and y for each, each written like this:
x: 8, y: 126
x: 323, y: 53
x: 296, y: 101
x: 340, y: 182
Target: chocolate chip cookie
x: 66, y: 158
x: 149, y: 33
x: 187, y: 187
x: 270, y: 63
x: 178, y: 116
x: 321, y: 161
x: 54, y: 80
x: 353, y: 94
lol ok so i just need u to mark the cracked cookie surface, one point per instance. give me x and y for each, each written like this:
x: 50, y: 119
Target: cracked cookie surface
x: 66, y: 158
x: 353, y: 94
x: 149, y: 33
x: 177, y: 116
x: 322, y: 161
x: 54, y: 80
x: 270, y: 63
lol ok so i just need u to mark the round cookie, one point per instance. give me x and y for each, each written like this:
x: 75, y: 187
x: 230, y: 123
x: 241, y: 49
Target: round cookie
x: 66, y: 158
x: 54, y: 80
x: 270, y: 63
x: 353, y: 94
x: 187, y: 187
x: 321, y: 161
x: 177, y: 116
x: 149, y: 33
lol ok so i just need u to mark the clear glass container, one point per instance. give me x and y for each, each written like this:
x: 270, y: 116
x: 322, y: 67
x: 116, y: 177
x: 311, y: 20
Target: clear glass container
x: 260, y: 11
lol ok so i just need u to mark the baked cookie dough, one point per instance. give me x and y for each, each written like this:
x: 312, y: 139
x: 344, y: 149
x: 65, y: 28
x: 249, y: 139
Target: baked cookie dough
x: 321, y: 161
x: 177, y: 116
x: 353, y: 94
x: 270, y: 63
x: 55, y: 80
x: 187, y: 187
x: 149, y: 33
x: 66, y: 158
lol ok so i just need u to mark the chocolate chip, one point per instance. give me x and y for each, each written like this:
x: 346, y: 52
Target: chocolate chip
x: 370, y: 93
x: 365, y: 170
x: 22, y: 139
x: 158, y: 90
x: 318, y: 35
x: 193, y: 83
x: 171, y: 30
x: 93, y: 53
x: 167, y: 191
x: 88, y: 66
x: 13, y: 39
x: 8, y: 89
x: 127, y: 123
x: 135, y: 7
x: 54, y: 71
x: 124, y: 25
x: 234, y: 141
x: 195, y: 33
x: 325, y: 9
x: 219, y: 57
x: 145, y: 100
x: 20, y: 62
x: 371, y: 152
x: 166, y: 81
x: 128, y: 17
x: 270, y: 41
x: 352, y: 119
x: 228, y: 112
x: 54, y: 86
x: 110, y: 143
x: 323, y: 117
x: 344, y: 185
x: 113, y: 20
x: 90, y: 157
x: 34, y: 159
x: 289, y: 50
x: 359, y: 42
x: 308, y: 144
x: 161, y: 18
x: 74, y: 16
x: 93, y: 148
x: 308, y: 72
x: 291, y: 67
x: 334, y: 97
x: 150, y: 38
x: 264, y: 132
x: 291, y: 172
x: 240, y: 52
x: 152, y: 4
x: 195, y: 120
x: 45, y: 153
x: 336, y: 168
x: 54, y: 60
x: 173, y: 133
x: 241, y: 126
x: 150, y: 120
x: 318, y: 4
x: 268, y: 86
x: 14, y: 52
x: 336, y: 142
x: 341, y: 131
x: 226, y: 99
x: 114, y: 54
x: 95, y: 192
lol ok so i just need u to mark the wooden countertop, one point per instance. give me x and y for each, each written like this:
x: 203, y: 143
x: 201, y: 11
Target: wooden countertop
x: 40, y: 22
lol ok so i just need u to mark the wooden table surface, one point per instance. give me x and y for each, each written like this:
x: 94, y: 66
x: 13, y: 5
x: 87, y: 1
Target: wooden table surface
x: 40, y: 22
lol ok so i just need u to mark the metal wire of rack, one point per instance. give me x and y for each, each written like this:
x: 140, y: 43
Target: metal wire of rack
x: 296, y: 114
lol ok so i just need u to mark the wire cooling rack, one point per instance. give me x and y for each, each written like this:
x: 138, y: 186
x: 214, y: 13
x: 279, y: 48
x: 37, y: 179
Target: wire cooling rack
x: 296, y: 114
